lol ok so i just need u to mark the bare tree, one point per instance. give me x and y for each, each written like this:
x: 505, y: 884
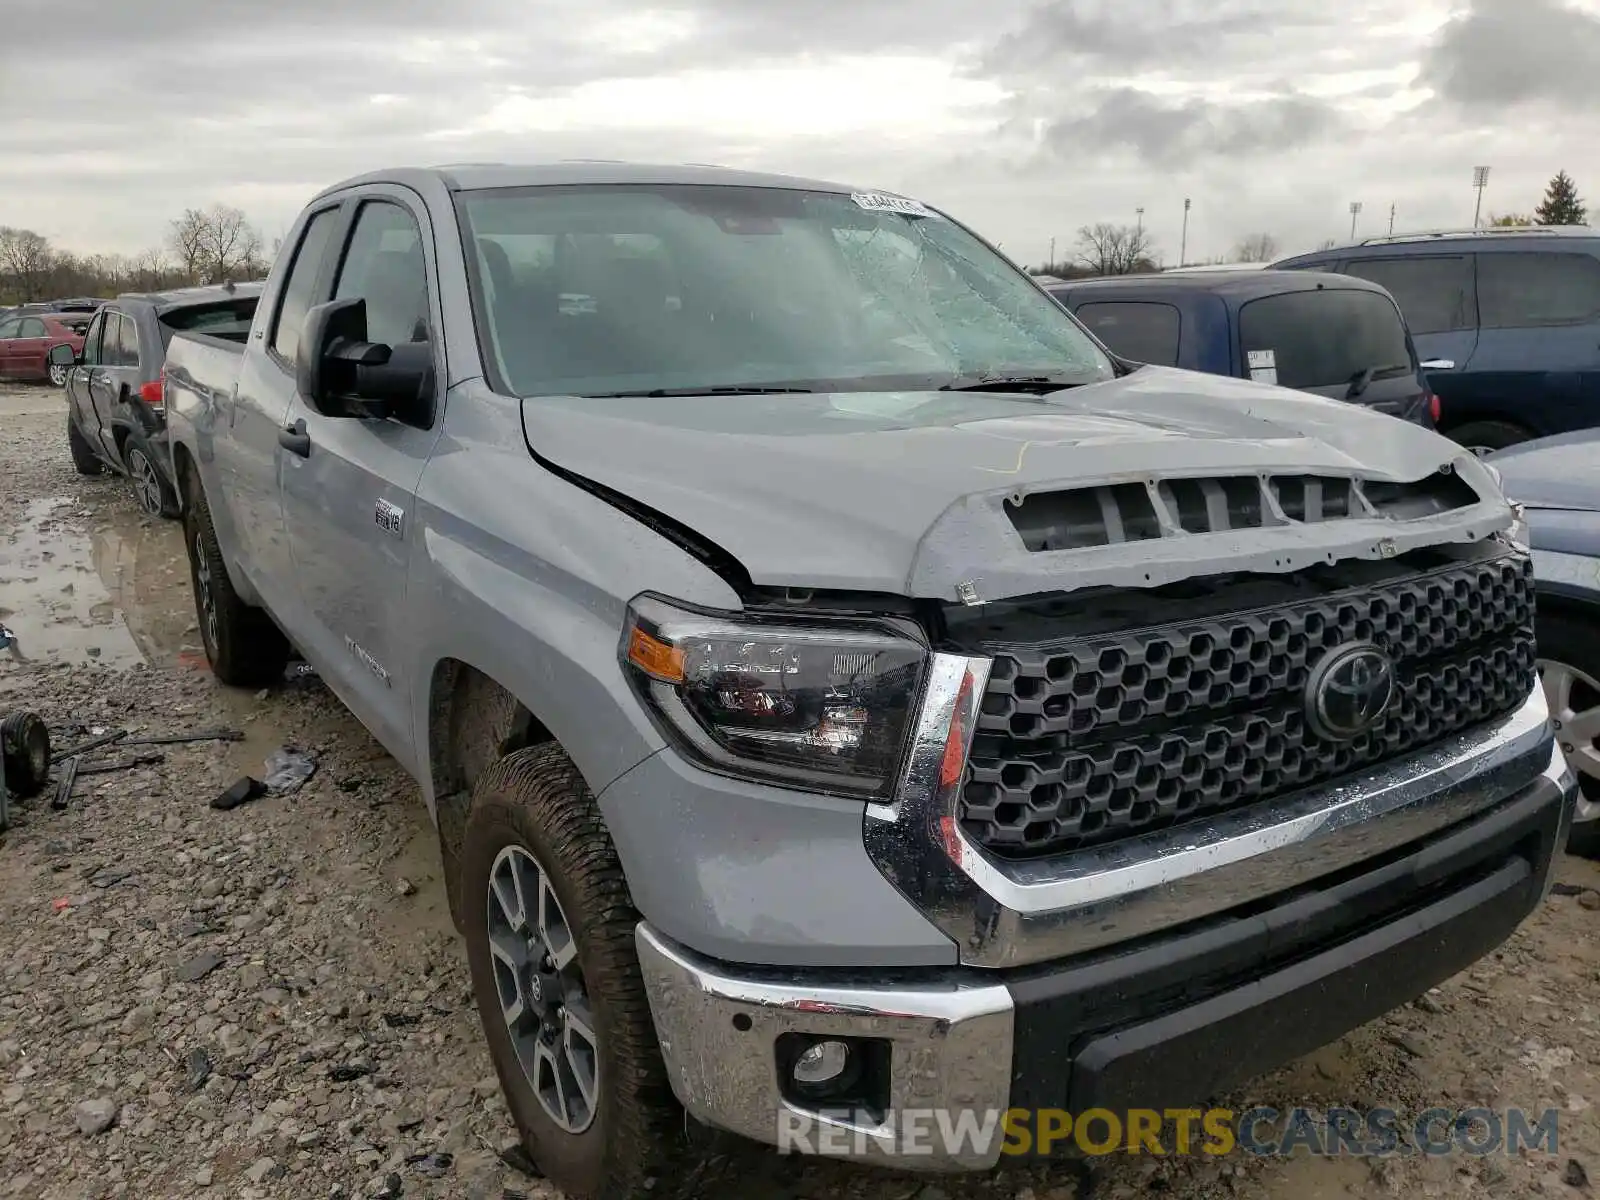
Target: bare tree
x: 1108, y: 249
x: 1258, y: 247
x: 215, y: 245
x: 1327, y: 243
x: 188, y: 242
x: 1510, y: 220
x: 149, y: 271
x: 25, y: 261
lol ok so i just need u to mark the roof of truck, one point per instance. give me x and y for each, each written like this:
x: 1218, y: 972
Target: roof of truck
x: 473, y: 176
x: 182, y: 297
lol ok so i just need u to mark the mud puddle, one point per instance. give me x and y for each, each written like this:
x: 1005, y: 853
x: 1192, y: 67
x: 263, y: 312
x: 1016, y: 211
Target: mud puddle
x: 116, y: 595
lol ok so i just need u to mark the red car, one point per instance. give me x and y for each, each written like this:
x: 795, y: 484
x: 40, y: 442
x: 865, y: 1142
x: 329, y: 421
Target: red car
x: 26, y: 339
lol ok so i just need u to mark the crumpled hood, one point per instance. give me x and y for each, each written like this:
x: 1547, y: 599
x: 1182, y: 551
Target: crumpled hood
x: 1554, y: 472
x: 907, y: 492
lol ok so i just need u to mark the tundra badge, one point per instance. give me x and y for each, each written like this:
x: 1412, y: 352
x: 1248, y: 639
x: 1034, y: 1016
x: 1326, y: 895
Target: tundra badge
x: 391, y: 519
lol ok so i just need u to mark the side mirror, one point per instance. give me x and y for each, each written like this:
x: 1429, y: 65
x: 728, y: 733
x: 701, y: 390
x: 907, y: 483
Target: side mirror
x: 63, y: 355
x: 341, y: 374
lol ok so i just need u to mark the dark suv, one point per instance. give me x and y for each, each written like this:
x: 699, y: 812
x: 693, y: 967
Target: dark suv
x: 1330, y: 334
x: 1507, y: 322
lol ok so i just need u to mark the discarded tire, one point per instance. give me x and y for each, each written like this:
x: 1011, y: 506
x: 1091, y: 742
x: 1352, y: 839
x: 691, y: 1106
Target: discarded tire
x: 25, y: 744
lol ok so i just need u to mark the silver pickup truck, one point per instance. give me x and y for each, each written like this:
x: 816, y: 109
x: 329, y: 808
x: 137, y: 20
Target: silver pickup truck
x: 843, y: 689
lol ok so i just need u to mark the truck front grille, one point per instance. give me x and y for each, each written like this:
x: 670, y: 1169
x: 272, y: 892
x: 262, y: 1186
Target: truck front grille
x: 1098, y: 737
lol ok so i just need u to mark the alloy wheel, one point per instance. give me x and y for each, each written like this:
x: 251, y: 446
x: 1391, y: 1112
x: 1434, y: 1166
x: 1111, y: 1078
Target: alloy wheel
x: 146, y: 483
x: 1573, y: 697
x: 541, y: 990
x: 208, y: 603
x: 58, y: 375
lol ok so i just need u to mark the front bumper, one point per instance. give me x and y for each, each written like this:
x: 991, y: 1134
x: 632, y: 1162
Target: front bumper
x: 1170, y: 1023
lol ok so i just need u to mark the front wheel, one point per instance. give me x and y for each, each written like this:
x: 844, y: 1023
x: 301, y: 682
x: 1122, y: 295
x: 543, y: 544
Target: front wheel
x: 1569, y: 668
x: 550, y: 937
x: 243, y: 646
x: 58, y: 375
x: 84, y: 459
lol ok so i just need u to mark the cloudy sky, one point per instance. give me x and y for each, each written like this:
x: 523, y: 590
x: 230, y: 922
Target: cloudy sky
x: 1028, y: 120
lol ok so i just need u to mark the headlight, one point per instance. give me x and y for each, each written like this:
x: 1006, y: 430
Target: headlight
x: 826, y: 706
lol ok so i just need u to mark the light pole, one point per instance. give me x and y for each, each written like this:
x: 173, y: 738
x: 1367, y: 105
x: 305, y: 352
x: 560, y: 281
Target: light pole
x: 1052, y: 261
x: 1139, y: 212
x: 1183, y: 242
x: 1355, y: 211
x: 1480, y: 180
x: 1391, y: 220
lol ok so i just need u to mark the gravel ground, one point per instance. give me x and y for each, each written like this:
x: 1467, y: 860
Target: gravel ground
x: 271, y: 1001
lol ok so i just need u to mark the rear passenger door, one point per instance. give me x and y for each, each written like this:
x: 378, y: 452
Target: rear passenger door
x: 1437, y: 295
x: 1538, y: 355
x: 348, y: 503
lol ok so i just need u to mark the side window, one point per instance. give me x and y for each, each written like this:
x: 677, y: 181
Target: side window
x: 1523, y: 291
x: 383, y: 265
x: 8, y: 329
x: 32, y: 327
x: 297, y: 296
x: 1435, y: 292
x: 91, y: 340
x: 1141, y: 330
x: 112, y: 352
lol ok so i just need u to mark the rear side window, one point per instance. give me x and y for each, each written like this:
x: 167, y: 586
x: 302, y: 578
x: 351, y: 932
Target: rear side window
x: 303, y: 273
x: 1522, y: 291
x: 1142, y: 330
x: 1327, y: 337
x: 1434, y: 291
x: 230, y: 320
x: 121, y: 345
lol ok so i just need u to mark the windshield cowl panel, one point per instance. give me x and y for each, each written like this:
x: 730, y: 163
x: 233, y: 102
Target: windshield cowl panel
x: 635, y: 290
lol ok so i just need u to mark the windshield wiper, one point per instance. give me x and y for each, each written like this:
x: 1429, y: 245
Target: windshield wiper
x: 734, y: 389
x: 1364, y: 377
x: 1036, y: 384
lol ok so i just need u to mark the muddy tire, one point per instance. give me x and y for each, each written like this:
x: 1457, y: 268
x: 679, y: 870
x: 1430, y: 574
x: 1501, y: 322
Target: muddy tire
x: 84, y: 459
x: 1569, y: 667
x: 25, y: 747
x: 1488, y: 436
x: 243, y: 646
x: 534, y: 823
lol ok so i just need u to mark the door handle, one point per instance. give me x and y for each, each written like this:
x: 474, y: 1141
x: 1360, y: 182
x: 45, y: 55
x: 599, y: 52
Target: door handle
x: 1439, y: 364
x: 295, y: 439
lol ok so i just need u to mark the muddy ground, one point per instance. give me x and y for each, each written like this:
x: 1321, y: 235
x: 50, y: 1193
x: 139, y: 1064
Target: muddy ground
x: 271, y: 1001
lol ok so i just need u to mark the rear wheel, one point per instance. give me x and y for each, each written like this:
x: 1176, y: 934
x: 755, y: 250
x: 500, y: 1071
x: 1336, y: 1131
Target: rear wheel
x: 84, y: 459
x: 1569, y: 668
x: 149, y: 488
x: 1485, y: 437
x: 550, y: 938
x: 243, y: 646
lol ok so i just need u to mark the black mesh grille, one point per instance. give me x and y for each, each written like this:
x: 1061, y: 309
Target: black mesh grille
x: 1096, y: 738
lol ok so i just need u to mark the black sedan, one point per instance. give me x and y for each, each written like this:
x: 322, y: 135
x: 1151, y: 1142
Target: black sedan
x: 1557, y: 480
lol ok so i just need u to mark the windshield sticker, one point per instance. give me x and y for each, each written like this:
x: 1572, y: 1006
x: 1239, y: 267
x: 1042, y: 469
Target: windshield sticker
x: 1263, y: 365
x: 882, y: 202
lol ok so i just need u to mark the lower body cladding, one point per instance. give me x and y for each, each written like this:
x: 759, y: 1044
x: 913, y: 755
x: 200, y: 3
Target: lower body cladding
x: 1166, y: 1019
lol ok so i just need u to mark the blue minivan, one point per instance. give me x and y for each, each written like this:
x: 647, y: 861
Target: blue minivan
x: 1333, y: 335
x: 1507, y: 321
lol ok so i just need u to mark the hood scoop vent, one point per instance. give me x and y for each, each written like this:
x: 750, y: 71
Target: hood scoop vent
x: 1116, y: 514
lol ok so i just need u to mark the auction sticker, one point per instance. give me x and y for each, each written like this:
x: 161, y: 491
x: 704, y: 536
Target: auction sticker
x: 1263, y: 365
x: 882, y: 202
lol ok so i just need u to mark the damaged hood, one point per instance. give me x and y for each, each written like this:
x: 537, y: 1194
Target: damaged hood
x: 912, y: 493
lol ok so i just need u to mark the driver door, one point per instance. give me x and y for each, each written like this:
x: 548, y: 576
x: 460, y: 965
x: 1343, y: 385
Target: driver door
x: 348, y: 499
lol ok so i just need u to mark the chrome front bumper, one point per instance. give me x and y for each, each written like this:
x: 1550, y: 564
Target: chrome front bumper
x: 1014, y: 913
x: 952, y: 1035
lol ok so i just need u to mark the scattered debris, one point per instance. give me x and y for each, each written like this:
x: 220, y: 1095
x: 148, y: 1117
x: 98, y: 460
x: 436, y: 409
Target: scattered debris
x: 515, y: 1157
x: 199, y: 967
x: 1590, y: 900
x: 107, y: 739
x: 95, y: 1116
x: 405, y: 887
x: 393, y: 1187
x: 1575, y: 1176
x: 69, y: 776
x: 178, y: 739
x: 1407, y: 1041
x: 243, y: 791
x: 199, y: 1069
x: 396, y: 1020
x: 287, y: 770
x: 348, y: 1072
x: 433, y: 1165
x: 126, y: 764
x: 1567, y: 889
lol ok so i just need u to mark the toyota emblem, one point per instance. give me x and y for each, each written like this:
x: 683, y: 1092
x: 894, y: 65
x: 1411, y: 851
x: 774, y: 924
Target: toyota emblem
x: 1349, y: 691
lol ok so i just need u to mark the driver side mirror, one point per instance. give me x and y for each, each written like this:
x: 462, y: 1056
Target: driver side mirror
x: 341, y: 374
x: 63, y: 355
